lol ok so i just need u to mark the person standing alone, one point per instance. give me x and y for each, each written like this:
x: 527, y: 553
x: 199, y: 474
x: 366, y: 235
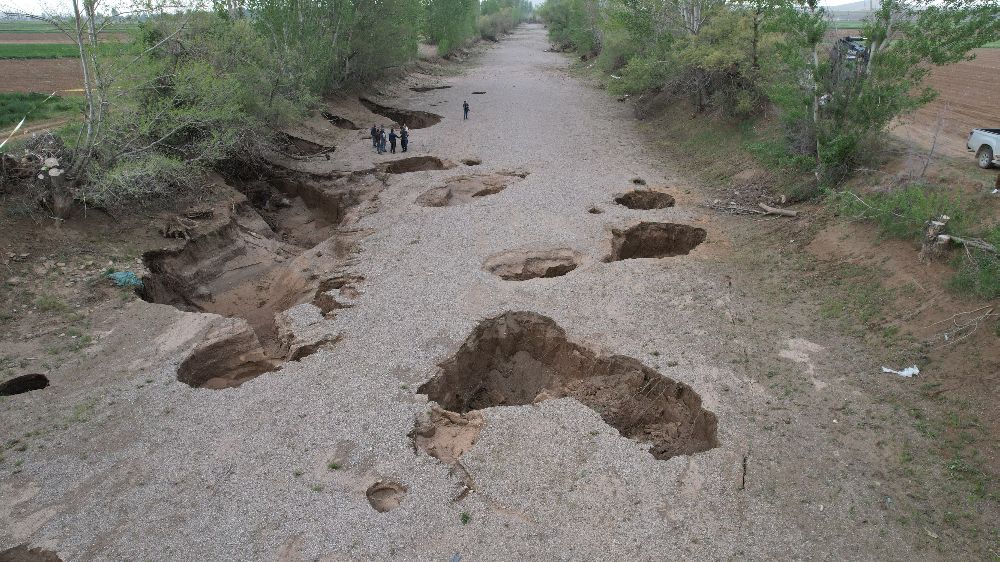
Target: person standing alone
x: 392, y: 140
x: 465, y: 110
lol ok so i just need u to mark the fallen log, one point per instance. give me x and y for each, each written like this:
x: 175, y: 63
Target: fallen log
x: 969, y: 242
x: 936, y: 242
x: 776, y: 211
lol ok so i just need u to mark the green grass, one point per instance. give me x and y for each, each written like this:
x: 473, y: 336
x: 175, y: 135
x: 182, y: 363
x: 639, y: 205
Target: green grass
x: 846, y: 24
x: 993, y: 45
x: 903, y: 214
x: 38, y: 50
x: 28, y: 26
x: 14, y: 106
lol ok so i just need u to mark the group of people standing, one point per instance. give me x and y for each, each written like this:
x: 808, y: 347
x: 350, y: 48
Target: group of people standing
x: 380, y: 138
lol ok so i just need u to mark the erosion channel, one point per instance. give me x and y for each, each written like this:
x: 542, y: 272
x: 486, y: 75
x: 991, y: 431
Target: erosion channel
x: 275, y: 262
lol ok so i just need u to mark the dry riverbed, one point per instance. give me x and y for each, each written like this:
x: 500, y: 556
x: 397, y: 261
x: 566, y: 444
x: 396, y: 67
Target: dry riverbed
x: 522, y: 339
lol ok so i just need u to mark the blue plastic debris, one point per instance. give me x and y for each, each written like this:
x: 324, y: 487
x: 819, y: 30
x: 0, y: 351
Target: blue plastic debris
x: 125, y: 279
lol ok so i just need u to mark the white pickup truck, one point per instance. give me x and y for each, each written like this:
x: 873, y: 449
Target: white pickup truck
x: 986, y: 144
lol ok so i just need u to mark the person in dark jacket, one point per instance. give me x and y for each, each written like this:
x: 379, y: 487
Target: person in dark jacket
x: 404, y: 137
x: 465, y: 110
x: 392, y: 140
x: 374, y: 133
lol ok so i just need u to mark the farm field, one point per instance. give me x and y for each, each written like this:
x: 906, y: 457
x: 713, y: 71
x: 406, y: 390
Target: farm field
x: 14, y: 106
x: 41, y: 75
x: 967, y: 101
x: 8, y: 37
x: 42, y: 27
x: 36, y: 50
x: 34, y: 58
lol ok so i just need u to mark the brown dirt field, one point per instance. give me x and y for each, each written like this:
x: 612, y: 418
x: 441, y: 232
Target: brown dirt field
x: 34, y: 38
x: 967, y: 101
x: 40, y: 75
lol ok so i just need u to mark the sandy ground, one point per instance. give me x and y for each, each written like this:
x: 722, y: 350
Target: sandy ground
x: 118, y: 460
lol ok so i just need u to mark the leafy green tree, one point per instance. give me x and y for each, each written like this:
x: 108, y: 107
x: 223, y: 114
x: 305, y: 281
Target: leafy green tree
x: 450, y: 23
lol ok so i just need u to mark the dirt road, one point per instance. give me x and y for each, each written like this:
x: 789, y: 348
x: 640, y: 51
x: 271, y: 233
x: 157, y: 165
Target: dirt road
x: 552, y: 320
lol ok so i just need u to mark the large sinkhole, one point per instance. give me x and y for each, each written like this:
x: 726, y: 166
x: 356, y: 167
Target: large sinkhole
x: 654, y: 240
x: 416, y: 164
x: 645, y: 199
x: 521, y: 265
x: 23, y: 383
x: 411, y: 118
x: 257, y: 265
x: 25, y: 553
x: 297, y: 146
x: 464, y: 189
x: 428, y: 88
x: 340, y: 122
x: 521, y: 358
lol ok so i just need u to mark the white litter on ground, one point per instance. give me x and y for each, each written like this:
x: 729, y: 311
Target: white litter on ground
x: 907, y: 372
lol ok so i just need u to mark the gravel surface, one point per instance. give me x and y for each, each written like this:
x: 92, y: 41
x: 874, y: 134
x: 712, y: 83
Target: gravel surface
x: 133, y: 465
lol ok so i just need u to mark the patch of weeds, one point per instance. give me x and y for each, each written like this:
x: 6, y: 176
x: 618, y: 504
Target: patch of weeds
x: 906, y: 456
x: 332, y: 465
x: 80, y: 413
x: 7, y: 364
x: 856, y: 295
x: 978, y: 271
x: 49, y: 303
x: 902, y: 213
x: 298, y: 472
x: 929, y: 389
x: 774, y: 153
x: 890, y: 332
x: 316, y: 487
x: 465, y: 517
x: 78, y: 340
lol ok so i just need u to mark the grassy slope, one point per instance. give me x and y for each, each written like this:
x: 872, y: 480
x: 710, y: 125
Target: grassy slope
x: 952, y: 448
